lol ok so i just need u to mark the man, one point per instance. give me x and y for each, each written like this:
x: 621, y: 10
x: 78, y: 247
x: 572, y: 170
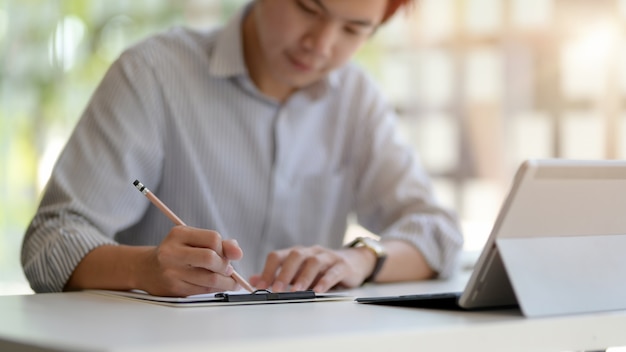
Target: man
x: 264, y: 139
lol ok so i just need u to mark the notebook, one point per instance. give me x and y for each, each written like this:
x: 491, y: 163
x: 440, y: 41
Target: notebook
x: 228, y: 298
x: 557, y: 247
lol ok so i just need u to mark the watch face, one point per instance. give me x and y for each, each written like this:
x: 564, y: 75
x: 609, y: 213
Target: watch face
x: 374, y: 245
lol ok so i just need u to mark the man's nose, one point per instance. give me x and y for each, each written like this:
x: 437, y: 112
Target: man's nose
x: 321, y: 38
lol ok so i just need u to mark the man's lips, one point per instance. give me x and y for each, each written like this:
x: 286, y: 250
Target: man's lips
x: 300, y: 65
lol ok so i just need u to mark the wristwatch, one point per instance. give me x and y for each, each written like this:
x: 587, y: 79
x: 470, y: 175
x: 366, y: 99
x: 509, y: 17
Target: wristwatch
x: 376, y: 247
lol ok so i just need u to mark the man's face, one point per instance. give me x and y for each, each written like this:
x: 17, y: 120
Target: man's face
x: 301, y: 41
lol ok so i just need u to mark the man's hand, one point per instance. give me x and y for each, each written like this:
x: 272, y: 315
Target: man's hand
x: 314, y: 268
x: 189, y: 261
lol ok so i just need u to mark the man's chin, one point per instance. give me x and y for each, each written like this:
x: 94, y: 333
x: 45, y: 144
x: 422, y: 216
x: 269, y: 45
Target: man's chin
x: 303, y: 82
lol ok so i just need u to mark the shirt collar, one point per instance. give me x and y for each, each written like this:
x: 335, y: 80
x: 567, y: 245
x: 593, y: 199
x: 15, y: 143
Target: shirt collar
x: 227, y: 57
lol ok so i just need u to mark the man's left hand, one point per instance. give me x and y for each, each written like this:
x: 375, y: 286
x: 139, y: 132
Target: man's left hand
x: 316, y: 268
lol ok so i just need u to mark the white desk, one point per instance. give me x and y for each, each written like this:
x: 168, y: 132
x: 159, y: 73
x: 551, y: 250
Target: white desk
x: 87, y: 322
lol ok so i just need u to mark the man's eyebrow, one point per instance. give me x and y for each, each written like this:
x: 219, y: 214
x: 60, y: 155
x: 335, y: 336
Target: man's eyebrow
x: 363, y: 23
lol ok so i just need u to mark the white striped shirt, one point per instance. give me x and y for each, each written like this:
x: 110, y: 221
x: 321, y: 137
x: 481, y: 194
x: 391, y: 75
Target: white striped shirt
x: 180, y: 113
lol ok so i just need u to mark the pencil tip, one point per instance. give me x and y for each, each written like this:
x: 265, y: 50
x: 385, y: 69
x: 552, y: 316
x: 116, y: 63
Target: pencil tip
x: 136, y: 182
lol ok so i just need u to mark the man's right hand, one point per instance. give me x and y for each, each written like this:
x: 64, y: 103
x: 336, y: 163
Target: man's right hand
x: 188, y: 261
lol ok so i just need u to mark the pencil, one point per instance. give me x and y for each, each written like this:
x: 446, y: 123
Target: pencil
x: 175, y: 219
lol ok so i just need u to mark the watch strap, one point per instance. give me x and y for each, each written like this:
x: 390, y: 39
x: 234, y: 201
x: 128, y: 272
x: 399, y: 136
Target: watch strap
x: 376, y: 248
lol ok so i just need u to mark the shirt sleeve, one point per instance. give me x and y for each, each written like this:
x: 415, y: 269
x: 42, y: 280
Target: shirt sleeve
x: 89, y: 195
x: 395, y: 197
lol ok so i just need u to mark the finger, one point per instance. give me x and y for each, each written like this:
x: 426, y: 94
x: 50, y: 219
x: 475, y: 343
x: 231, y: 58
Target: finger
x: 209, y: 280
x: 255, y: 280
x: 272, y: 263
x: 202, y: 258
x: 196, y: 247
x: 231, y: 250
x: 331, y: 277
x: 312, y: 268
x: 195, y: 237
x: 181, y: 283
x: 290, y: 267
